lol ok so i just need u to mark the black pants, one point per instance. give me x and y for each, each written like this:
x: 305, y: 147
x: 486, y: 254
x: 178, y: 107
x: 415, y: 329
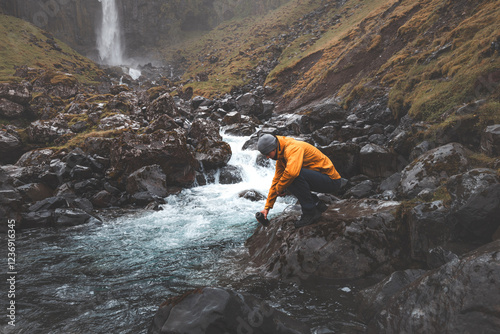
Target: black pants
x: 310, y: 180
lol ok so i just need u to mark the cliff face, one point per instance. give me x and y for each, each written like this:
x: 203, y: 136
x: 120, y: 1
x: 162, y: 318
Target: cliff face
x: 144, y: 23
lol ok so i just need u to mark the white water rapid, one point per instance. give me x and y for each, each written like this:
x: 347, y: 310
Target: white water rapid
x: 109, y: 39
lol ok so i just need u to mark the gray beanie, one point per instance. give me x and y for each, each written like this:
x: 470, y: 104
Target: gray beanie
x: 267, y: 143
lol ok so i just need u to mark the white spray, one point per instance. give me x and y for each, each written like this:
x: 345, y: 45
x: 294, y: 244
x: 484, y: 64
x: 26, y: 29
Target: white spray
x: 109, y: 41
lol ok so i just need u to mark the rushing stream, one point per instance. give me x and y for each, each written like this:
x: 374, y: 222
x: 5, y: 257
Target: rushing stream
x: 110, y: 278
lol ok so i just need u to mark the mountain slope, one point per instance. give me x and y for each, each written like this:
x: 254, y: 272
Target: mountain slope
x: 429, y: 56
x: 21, y: 43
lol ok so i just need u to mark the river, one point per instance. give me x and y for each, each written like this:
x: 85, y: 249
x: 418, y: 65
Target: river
x: 110, y: 278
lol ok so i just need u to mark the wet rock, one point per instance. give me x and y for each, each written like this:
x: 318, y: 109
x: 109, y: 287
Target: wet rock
x: 34, y: 192
x: 213, y: 154
x: 38, y: 219
x: 372, y: 300
x: 477, y: 219
x: 203, y: 129
x: 150, y: 179
x: 462, y: 187
x: 325, y: 136
x: 241, y: 129
x: 98, y: 145
x: 362, y: 189
x: 117, y: 122
x: 70, y: 217
x: 490, y: 140
x: 461, y: 296
x: 365, y: 230
x: 230, y: 175
x: 103, y: 199
x: 250, y: 104
x: 164, y: 104
x: 252, y: 195
x: 436, y: 257
x: 10, y: 147
x: 315, y: 117
x: 377, y: 161
x: 47, y: 131
x: 433, y: 167
x: 429, y: 229
x: 167, y: 149
x: 35, y: 157
x: 232, y: 117
x: 218, y: 310
x: 345, y: 158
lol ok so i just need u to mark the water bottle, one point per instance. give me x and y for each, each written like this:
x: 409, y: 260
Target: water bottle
x: 260, y: 217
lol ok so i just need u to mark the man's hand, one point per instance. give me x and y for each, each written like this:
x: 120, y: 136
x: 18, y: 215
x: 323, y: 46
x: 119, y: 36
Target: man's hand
x: 265, y: 212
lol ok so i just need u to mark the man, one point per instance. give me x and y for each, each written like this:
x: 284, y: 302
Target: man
x: 300, y: 169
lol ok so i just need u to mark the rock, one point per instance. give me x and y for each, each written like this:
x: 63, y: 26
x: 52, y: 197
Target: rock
x: 372, y: 300
x: 377, y: 161
x: 47, y: 131
x: 232, y: 117
x: 38, y: 219
x: 361, y: 190
x: 490, y: 140
x: 252, y: 195
x: 35, y: 157
x: 431, y: 168
x: 117, y: 122
x: 315, y: 117
x: 9, y: 109
x: 436, y: 257
x: 428, y: 228
x: 150, y: 179
x: 345, y: 158
x: 462, y: 187
x: 204, y: 129
x: 325, y: 136
x: 364, y: 230
x: 103, y: 199
x: 213, y: 154
x: 242, y: 129
x: 459, y: 297
x: 63, y: 85
x: 70, y: 217
x: 250, y: 104
x: 19, y: 93
x: 477, y: 219
x: 218, y: 310
x: 230, y: 175
x: 34, y: 192
x: 10, y: 147
x: 164, y: 104
x: 169, y: 150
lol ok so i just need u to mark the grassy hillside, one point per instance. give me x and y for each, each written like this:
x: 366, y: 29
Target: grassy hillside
x: 24, y: 44
x: 430, y: 56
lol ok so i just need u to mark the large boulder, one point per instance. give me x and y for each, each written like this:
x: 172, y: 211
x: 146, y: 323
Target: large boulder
x: 14, y: 99
x: 353, y: 238
x: 462, y: 296
x: 217, y: 310
x: 376, y: 161
x: 432, y: 168
x: 475, y: 204
x: 169, y: 150
x: 148, y: 178
x: 345, y: 157
x: 47, y: 131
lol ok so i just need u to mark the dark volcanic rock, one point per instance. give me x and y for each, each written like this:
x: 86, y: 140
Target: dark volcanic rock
x: 460, y: 297
x: 148, y: 178
x: 433, y: 167
x: 365, y: 230
x: 217, y: 311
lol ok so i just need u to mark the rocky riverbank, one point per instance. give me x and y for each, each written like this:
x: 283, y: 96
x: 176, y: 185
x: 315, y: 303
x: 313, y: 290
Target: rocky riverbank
x: 411, y: 212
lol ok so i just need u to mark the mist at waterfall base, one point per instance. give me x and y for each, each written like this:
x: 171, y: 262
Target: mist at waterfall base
x: 111, y: 278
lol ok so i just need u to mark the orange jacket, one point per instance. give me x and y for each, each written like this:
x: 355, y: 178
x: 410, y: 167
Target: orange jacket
x: 293, y: 155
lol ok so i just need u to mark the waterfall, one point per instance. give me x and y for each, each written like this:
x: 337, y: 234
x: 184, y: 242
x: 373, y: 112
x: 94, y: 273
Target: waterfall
x: 109, y: 41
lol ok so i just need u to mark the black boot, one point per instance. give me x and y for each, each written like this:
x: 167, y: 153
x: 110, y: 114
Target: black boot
x: 308, y: 217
